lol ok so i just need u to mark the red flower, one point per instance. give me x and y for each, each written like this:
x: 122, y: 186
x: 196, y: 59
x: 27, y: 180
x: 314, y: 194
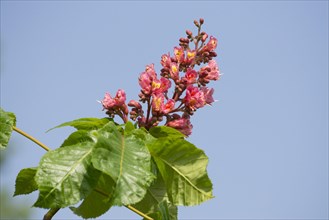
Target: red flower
x: 179, y: 54
x: 190, y: 76
x: 207, y: 92
x: 194, y: 98
x: 182, y: 124
x: 157, y: 103
x: 168, y: 107
x: 108, y: 102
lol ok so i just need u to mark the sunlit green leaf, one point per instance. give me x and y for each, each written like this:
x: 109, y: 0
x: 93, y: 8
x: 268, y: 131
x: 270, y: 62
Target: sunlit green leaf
x: 164, y: 131
x: 25, y: 182
x: 97, y: 202
x: 7, y: 122
x: 65, y: 176
x: 183, y: 168
x: 85, y: 123
x: 127, y: 160
x: 156, y: 203
x: 77, y: 137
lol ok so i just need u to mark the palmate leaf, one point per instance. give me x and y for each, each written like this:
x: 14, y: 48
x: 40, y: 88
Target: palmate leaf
x: 7, y: 122
x: 65, y: 176
x: 25, y: 182
x: 89, y: 160
x: 183, y: 168
x: 125, y: 157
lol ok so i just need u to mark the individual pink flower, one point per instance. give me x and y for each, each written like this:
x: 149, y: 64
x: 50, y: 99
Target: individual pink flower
x: 108, y: 102
x: 157, y: 102
x: 165, y: 60
x: 209, y: 72
x: 145, y: 81
x: 120, y: 97
x: 168, y: 107
x: 190, y: 76
x: 146, y: 78
x: 161, y: 86
x: 208, y: 92
x: 182, y: 124
x: 194, y: 98
x: 179, y: 54
x: 190, y: 56
x: 150, y: 70
x: 212, y: 44
x: 214, y: 71
x: 174, y: 71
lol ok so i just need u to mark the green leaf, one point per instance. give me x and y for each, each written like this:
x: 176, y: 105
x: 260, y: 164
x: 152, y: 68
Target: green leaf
x: 7, y: 122
x: 77, y: 137
x: 164, y: 131
x: 167, y: 210
x: 85, y: 123
x: 129, y: 127
x: 25, y: 182
x: 156, y: 203
x: 97, y: 202
x: 65, y: 176
x: 183, y: 168
x: 126, y: 159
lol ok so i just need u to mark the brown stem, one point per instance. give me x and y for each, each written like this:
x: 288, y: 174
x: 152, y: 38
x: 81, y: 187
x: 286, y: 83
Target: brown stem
x: 50, y: 214
x: 148, y: 112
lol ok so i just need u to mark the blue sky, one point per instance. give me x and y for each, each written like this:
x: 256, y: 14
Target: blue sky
x: 266, y: 137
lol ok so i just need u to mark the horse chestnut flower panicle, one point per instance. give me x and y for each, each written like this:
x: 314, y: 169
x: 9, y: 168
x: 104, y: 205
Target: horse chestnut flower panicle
x: 189, y: 91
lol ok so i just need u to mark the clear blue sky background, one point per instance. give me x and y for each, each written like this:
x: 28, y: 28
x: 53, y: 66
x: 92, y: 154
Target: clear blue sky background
x: 266, y: 137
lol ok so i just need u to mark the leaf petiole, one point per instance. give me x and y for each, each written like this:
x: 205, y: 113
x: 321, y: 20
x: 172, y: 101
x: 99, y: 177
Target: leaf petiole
x: 50, y: 214
x: 139, y: 212
x: 31, y: 138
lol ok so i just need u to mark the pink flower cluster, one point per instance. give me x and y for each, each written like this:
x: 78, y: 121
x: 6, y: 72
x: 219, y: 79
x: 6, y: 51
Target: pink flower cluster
x: 178, y: 71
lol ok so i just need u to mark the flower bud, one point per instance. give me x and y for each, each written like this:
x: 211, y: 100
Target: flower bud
x: 181, y: 124
x: 133, y: 103
x: 212, y: 54
x: 204, y: 37
x: 189, y: 33
x: 201, y: 20
x: 196, y: 23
